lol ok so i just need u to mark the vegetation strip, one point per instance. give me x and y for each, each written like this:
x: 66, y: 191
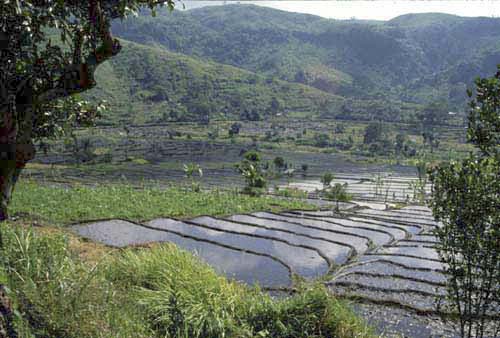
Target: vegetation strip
x: 425, y: 215
x: 285, y: 230
x: 410, y: 241
x: 387, y: 261
x: 382, y: 219
x: 286, y: 215
x: 328, y: 219
x: 384, y: 223
x: 395, y: 303
x: 410, y: 245
x: 419, y: 311
x: 353, y: 250
x: 395, y: 219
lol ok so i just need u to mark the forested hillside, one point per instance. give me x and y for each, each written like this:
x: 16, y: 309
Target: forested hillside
x: 415, y: 58
x: 165, y: 86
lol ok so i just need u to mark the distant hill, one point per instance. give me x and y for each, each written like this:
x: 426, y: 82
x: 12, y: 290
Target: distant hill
x: 149, y: 84
x: 414, y: 58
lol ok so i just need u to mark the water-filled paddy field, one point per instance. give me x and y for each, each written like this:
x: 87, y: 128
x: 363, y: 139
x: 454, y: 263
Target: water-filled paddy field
x: 386, y: 265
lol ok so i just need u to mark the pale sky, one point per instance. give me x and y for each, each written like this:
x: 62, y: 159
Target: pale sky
x: 372, y: 10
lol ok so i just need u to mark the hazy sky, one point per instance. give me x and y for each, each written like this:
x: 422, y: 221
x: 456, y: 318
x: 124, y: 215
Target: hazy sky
x: 373, y: 10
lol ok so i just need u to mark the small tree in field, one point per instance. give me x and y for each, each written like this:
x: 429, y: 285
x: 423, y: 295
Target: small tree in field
x: 466, y: 199
x: 327, y: 179
x: 252, y: 171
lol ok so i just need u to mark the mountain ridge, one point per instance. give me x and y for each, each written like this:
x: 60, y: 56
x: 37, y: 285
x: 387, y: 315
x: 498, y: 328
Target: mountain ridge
x: 383, y: 58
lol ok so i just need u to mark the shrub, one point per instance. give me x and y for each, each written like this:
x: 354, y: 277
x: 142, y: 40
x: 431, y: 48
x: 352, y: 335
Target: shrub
x: 327, y: 179
x: 321, y: 140
x: 291, y: 192
x: 466, y: 199
x: 338, y: 192
x: 251, y: 170
x: 234, y: 129
x: 279, y: 162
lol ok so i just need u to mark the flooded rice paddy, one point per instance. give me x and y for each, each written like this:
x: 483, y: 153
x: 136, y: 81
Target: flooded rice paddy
x: 382, y: 260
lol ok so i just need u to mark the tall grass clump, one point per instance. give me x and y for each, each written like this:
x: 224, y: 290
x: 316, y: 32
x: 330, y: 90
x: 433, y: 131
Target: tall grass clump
x: 185, y: 298
x: 56, y: 294
x: 181, y: 296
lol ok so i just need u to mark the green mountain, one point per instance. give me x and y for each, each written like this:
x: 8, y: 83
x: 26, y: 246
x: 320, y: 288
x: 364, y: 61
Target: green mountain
x: 414, y: 59
x: 146, y: 84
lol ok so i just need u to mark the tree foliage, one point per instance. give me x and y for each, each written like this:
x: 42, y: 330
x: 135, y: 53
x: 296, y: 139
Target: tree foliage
x: 466, y: 199
x: 39, y: 78
x: 374, y: 132
x: 252, y: 171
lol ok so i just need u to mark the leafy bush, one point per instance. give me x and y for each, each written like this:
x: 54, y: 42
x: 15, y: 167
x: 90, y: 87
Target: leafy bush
x: 185, y: 298
x: 234, y: 129
x: 374, y: 132
x: 291, y: 192
x: 321, y: 140
x: 279, y: 162
x: 252, y: 171
x: 466, y: 199
x: 327, y: 179
x: 190, y: 170
x: 338, y: 192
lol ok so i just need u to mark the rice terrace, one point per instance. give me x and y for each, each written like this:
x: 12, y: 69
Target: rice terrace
x: 249, y: 169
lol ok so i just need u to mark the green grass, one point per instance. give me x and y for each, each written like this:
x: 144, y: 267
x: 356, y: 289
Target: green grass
x: 60, y: 205
x: 290, y: 192
x: 158, y: 292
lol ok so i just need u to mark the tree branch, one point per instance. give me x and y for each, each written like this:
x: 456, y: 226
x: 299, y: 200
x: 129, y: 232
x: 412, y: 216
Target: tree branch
x: 79, y: 77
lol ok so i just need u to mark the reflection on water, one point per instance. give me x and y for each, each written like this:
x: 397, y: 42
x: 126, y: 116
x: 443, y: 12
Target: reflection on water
x: 338, y: 253
x: 383, y: 268
x: 325, y: 241
x: 263, y: 270
x: 406, y: 261
x: 375, y: 236
x: 257, y: 269
x: 305, y: 262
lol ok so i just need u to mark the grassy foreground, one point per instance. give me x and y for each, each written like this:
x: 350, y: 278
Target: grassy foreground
x: 63, y: 286
x: 160, y: 291
x: 59, y: 205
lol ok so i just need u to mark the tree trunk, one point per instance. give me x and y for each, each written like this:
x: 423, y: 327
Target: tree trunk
x: 7, y: 329
x: 7, y: 181
x: 6, y: 312
x: 16, y: 149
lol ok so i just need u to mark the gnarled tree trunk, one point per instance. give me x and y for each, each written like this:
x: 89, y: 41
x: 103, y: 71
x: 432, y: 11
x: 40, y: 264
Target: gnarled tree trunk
x: 16, y: 149
x: 7, y: 172
x: 7, y: 329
